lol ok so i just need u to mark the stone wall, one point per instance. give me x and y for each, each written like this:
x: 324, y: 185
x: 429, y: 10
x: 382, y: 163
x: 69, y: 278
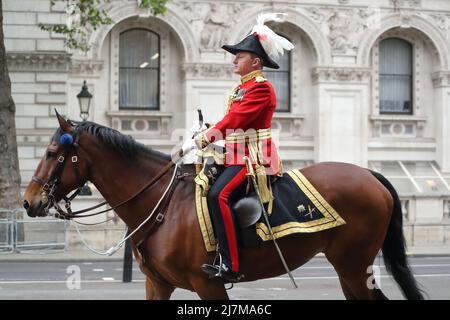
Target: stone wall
x: 334, y: 113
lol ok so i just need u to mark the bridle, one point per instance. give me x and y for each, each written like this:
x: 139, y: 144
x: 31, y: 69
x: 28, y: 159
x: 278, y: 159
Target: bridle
x: 49, y: 186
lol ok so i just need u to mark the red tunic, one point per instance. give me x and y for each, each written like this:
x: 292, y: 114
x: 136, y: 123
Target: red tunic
x: 252, y: 107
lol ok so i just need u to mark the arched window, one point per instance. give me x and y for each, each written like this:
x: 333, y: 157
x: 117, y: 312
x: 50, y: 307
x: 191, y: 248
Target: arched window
x: 280, y: 79
x: 395, y: 76
x: 139, y: 55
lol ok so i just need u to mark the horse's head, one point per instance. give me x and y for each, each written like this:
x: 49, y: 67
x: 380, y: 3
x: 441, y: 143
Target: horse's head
x: 60, y: 171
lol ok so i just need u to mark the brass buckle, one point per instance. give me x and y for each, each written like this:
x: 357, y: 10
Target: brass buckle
x: 160, y: 217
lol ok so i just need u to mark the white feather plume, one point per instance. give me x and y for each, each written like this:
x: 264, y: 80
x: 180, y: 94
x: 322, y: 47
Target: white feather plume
x: 273, y: 44
x: 276, y: 16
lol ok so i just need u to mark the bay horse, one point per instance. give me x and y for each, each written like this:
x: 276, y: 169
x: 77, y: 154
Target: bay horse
x: 173, y: 251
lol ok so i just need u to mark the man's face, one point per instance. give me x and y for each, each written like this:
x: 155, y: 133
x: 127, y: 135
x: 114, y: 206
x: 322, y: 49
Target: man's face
x: 245, y: 62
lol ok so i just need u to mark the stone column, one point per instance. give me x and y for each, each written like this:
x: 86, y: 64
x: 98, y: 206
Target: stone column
x: 441, y: 82
x: 207, y: 86
x: 341, y: 117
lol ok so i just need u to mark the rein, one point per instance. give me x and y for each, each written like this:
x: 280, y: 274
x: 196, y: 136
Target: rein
x: 50, y: 185
x: 159, y: 218
x: 69, y: 214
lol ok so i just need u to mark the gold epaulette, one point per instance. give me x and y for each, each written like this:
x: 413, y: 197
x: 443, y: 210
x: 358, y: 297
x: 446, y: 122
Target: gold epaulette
x: 260, y: 79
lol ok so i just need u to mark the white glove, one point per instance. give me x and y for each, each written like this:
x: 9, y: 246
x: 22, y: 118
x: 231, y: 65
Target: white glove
x: 196, y: 128
x: 188, y: 146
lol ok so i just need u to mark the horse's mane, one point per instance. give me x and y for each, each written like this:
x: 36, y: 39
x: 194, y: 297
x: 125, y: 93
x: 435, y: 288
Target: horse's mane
x: 124, y: 144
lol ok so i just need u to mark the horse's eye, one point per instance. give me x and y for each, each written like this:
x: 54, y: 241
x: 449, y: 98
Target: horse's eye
x: 51, y: 154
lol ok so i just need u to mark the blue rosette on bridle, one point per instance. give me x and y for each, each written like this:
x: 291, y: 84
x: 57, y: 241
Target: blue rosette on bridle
x: 66, y: 140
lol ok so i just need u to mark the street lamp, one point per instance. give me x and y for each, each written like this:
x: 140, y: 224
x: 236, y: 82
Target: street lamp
x: 84, y: 101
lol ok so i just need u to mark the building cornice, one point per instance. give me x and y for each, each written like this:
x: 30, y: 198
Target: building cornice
x: 21, y: 61
x: 441, y: 79
x: 208, y: 70
x: 340, y: 74
x: 91, y: 68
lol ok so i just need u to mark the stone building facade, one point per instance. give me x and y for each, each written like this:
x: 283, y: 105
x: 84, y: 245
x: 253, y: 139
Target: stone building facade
x: 367, y: 83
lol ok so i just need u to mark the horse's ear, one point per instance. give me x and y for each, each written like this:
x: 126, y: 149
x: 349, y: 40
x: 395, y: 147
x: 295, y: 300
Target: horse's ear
x: 63, y: 123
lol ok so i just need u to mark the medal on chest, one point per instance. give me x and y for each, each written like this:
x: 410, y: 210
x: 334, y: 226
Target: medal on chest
x: 238, y: 95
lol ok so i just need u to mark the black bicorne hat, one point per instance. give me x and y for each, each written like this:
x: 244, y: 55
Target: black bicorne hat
x: 251, y: 44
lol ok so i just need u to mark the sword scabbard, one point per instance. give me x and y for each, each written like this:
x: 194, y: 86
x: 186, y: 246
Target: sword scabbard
x: 251, y: 173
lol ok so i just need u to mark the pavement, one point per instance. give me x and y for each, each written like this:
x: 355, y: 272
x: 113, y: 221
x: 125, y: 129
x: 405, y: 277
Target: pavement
x: 317, y: 280
x: 66, y: 255
x: 86, y: 255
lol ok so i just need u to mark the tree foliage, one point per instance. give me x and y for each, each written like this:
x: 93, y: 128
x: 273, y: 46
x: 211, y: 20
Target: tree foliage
x: 86, y: 15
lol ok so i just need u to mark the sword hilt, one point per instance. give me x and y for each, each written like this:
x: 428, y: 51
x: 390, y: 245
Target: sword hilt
x: 249, y: 166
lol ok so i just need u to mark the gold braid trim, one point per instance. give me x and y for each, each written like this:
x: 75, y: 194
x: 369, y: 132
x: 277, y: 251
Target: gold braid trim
x: 251, y: 75
x: 231, y: 97
x: 201, y: 139
x: 254, y: 135
x: 256, y: 156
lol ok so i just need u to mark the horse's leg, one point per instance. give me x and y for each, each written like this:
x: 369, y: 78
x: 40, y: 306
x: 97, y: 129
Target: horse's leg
x: 353, y: 261
x: 209, y: 289
x: 357, y: 283
x: 149, y: 290
x: 155, y: 290
x: 352, y: 269
x: 379, y: 295
x: 346, y: 290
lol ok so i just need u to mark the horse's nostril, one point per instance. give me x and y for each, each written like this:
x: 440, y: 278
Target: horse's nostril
x: 26, y: 205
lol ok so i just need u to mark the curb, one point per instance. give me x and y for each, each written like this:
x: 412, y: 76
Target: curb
x: 77, y: 256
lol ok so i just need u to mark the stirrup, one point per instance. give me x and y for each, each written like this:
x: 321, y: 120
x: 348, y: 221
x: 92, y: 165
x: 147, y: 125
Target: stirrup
x: 214, y: 269
x: 218, y: 271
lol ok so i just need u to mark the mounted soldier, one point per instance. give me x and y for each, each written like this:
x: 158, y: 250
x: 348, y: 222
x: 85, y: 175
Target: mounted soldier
x: 246, y: 131
x: 347, y: 212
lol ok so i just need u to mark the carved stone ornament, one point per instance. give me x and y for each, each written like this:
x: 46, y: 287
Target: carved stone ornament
x: 340, y: 74
x: 407, y: 3
x: 18, y: 61
x: 215, y: 28
x: 208, y: 70
x: 211, y: 22
x: 441, y: 79
x: 442, y: 21
x: 86, y: 67
x: 344, y: 27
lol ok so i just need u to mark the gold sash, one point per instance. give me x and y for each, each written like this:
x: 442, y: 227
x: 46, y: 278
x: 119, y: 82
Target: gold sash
x: 254, y: 140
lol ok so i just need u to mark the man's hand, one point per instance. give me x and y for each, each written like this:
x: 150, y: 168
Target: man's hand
x: 196, y: 128
x: 188, y: 146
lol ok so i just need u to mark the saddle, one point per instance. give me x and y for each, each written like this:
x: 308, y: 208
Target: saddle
x: 248, y: 208
x: 297, y: 208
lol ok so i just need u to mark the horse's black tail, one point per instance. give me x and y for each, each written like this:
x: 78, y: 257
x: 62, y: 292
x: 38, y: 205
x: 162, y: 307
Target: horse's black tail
x: 394, y: 248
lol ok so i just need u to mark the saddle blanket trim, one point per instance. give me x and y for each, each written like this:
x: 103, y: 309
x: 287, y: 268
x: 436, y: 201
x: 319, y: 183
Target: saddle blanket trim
x: 204, y: 220
x: 330, y: 218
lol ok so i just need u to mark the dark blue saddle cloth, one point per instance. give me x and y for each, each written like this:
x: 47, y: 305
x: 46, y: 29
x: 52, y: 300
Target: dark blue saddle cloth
x: 297, y: 208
